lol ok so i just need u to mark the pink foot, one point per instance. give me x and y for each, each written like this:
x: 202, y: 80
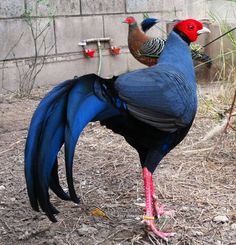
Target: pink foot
x: 152, y: 227
x: 152, y: 206
x: 159, y: 209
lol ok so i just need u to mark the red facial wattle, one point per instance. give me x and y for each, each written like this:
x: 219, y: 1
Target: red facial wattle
x: 190, y: 28
x: 129, y: 20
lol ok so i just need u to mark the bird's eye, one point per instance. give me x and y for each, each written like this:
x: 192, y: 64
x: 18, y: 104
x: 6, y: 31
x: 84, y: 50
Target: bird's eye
x: 191, y: 27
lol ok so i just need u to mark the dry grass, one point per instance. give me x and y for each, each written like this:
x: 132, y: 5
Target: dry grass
x: 108, y: 176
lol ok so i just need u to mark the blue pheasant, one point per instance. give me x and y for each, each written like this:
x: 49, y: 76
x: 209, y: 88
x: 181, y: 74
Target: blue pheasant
x: 152, y: 108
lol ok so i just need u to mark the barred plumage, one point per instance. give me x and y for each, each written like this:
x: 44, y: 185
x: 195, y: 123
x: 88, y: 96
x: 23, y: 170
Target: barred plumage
x: 197, y: 55
x: 147, y: 50
x: 152, y: 47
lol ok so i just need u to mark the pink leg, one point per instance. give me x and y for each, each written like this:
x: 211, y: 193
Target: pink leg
x: 159, y: 209
x: 149, y: 217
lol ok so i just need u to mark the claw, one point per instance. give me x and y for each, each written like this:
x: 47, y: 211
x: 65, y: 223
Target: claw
x: 159, y: 209
x: 152, y: 227
x: 152, y: 206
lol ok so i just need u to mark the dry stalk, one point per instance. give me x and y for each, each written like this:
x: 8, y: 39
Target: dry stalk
x: 228, y: 125
x: 11, y: 147
x: 231, y: 114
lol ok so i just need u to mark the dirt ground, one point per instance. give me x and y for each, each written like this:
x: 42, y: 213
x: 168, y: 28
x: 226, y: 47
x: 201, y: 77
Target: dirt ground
x: 197, y: 180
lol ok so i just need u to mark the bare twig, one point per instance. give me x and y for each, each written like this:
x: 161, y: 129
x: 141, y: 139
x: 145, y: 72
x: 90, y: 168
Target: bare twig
x: 228, y: 125
x: 39, y: 32
x: 11, y: 147
x: 230, y: 113
x: 7, y: 55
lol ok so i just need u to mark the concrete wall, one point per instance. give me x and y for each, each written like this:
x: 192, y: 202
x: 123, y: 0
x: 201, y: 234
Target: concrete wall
x: 71, y: 21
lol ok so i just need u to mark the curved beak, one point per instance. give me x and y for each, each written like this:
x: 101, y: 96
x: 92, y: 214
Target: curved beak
x: 203, y: 30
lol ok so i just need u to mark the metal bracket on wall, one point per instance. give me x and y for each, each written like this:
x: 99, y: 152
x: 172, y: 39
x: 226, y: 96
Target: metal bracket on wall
x: 114, y: 50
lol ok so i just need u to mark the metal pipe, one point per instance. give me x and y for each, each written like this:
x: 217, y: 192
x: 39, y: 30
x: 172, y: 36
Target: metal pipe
x: 98, y: 41
x: 101, y: 39
x: 100, y: 57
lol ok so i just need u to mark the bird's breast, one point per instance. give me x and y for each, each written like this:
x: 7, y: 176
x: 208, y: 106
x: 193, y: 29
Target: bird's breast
x: 158, y: 96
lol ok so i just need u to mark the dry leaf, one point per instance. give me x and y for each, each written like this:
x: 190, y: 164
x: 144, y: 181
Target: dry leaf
x: 99, y: 213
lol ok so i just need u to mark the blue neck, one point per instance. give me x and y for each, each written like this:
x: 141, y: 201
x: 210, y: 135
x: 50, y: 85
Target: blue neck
x: 177, y: 54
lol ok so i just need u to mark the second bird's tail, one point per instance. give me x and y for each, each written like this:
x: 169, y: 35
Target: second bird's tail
x: 201, y: 57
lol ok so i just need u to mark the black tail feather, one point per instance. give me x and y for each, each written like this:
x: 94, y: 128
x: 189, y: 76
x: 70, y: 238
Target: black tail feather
x: 55, y: 184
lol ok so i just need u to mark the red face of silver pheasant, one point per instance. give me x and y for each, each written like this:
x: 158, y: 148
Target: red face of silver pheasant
x: 130, y: 20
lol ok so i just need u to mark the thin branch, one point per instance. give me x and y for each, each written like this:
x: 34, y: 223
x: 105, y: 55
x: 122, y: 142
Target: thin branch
x: 230, y: 112
x: 12, y: 48
x: 228, y: 125
x: 9, y: 52
x: 44, y: 29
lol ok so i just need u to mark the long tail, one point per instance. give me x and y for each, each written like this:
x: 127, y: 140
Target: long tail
x: 83, y: 107
x: 201, y: 57
x: 148, y: 23
x: 35, y: 135
x: 60, y: 118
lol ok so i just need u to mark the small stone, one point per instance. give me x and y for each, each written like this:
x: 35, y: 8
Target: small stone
x: 218, y: 242
x: 221, y: 219
x: 233, y: 226
x: 24, y: 236
x: 197, y: 233
x: 2, y: 188
x: 13, y: 199
x: 83, y: 183
x: 184, y: 209
x: 86, y: 230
